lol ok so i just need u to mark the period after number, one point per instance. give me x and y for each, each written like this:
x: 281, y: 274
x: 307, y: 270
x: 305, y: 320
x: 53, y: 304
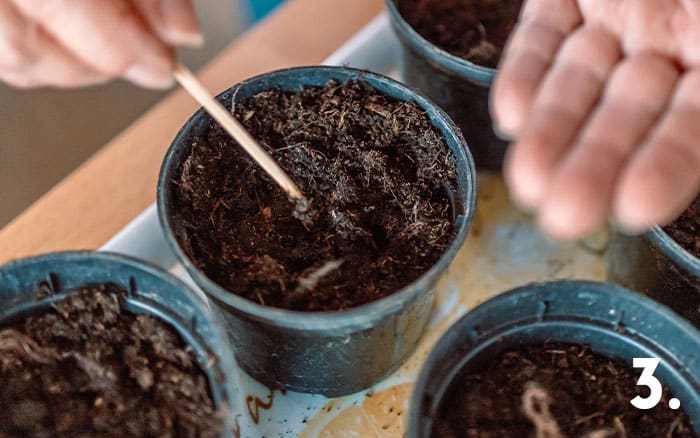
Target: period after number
x: 647, y: 378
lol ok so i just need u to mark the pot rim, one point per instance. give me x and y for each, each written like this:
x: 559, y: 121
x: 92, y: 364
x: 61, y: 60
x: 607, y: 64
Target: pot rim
x: 224, y: 354
x: 461, y: 67
x: 511, y: 324
x: 673, y: 250
x: 362, y: 316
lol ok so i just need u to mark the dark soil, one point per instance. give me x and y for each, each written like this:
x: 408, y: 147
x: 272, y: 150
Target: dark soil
x: 686, y: 229
x: 476, y: 30
x: 87, y: 368
x: 380, y: 178
x: 568, y: 390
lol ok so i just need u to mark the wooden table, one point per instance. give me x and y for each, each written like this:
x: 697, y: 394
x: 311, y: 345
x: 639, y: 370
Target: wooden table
x: 117, y: 183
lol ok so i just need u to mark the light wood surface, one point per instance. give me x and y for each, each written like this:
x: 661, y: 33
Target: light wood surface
x: 116, y: 184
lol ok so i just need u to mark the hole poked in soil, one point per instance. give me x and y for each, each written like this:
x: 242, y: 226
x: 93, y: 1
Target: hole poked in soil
x: 475, y: 30
x: 553, y: 391
x: 88, y: 367
x: 686, y: 229
x: 380, y: 179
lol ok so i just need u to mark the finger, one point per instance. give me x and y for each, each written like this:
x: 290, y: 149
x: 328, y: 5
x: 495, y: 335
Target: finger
x: 30, y: 58
x: 641, y: 28
x: 567, y: 94
x: 663, y: 177
x: 579, y: 198
x: 107, y: 35
x: 639, y: 24
x: 543, y: 26
x: 175, y: 21
x: 612, y: 14
x: 13, y: 28
x: 52, y: 66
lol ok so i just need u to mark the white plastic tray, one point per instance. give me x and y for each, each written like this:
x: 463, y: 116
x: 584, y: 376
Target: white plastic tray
x: 504, y: 250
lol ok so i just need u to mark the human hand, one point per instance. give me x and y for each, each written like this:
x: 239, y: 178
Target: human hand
x: 603, y: 99
x: 69, y: 43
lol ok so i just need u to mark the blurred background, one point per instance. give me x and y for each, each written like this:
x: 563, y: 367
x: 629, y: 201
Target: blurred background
x: 46, y: 133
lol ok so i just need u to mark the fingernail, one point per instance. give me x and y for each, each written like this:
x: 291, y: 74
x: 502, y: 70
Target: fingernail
x: 627, y: 223
x: 553, y: 236
x: 520, y: 205
x: 149, y: 77
x: 555, y: 228
x: 501, y: 134
x: 181, y: 23
x: 195, y: 39
x: 517, y: 198
x: 628, y: 229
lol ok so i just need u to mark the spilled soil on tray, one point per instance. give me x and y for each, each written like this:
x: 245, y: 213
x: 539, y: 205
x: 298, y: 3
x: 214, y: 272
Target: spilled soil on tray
x: 476, y: 30
x: 87, y: 367
x: 382, y: 185
x: 558, y: 390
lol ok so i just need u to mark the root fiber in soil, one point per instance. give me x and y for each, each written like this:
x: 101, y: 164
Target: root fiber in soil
x: 553, y: 391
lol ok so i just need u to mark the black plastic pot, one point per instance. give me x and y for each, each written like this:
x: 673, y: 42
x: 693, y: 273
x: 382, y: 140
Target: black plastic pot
x: 151, y: 291
x: 657, y: 266
x: 458, y: 86
x: 331, y: 353
x: 612, y: 321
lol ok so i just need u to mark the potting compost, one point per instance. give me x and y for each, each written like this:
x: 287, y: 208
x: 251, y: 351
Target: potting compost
x: 686, y: 229
x: 558, y: 390
x: 475, y: 30
x: 380, y: 179
x: 88, y: 367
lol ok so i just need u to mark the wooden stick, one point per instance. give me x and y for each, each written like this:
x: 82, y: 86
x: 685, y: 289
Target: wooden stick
x: 190, y: 83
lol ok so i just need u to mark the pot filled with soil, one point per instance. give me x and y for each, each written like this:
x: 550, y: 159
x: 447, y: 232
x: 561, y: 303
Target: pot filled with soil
x: 450, y: 50
x: 333, y: 298
x: 97, y: 344
x: 557, y: 360
x: 664, y: 263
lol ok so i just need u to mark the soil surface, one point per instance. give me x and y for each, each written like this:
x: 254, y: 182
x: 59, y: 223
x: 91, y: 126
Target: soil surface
x: 87, y: 368
x: 475, y: 30
x: 380, y: 179
x: 566, y: 390
x: 686, y: 229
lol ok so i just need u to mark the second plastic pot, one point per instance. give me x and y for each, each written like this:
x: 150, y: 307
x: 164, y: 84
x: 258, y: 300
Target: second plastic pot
x: 331, y: 353
x: 610, y: 320
x: 150, y: 291
x: 458, y: 86
x: 657, y: 266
